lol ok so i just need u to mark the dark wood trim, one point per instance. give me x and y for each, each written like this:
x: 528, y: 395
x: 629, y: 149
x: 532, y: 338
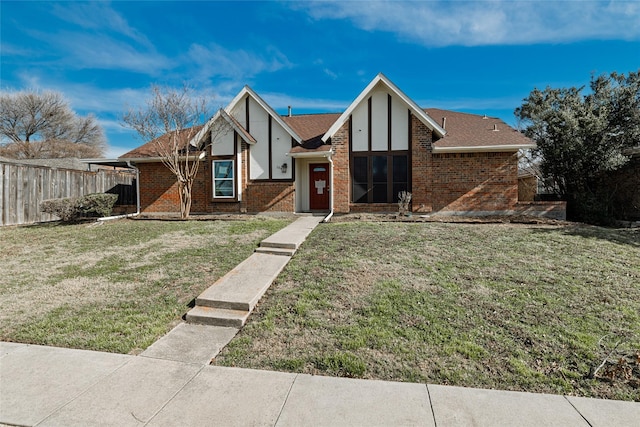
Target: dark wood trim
x: 369, y: 123
x: 246, y: 113
x: 389, y: 122
x: 410, y: 149
x: 293, y: 161
x: 269, y: 136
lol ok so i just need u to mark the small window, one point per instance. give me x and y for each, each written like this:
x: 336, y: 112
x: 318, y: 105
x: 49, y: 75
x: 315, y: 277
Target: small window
x: 223, y: 185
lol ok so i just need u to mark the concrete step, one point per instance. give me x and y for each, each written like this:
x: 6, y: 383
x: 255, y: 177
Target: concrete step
x: 242, y: 287
x: 278, y: 245
x: 275, y: 251
x: 293, y: 235
x: 217, y: 316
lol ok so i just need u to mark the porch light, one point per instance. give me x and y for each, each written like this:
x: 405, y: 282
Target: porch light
x: 283, y: 168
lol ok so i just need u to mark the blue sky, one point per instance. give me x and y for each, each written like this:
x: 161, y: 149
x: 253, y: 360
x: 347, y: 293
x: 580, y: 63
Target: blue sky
x: 481, y: 57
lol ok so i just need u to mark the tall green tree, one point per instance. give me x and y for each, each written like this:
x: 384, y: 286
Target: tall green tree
x: 582, y: 136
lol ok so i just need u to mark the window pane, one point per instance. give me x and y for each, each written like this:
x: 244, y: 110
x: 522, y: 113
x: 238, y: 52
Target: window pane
x: 400, y: 169
x: 380, y: 192
x: 379, y: 164
x: 360, y: 169
x: 223, y: 169
x: 359, y: 193
x: 224, y: 187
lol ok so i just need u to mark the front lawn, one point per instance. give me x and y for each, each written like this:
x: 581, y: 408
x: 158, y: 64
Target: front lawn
x: 113, y: 286
x: 513, y: 307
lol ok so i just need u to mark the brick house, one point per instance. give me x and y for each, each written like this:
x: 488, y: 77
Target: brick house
x: 357, y: 161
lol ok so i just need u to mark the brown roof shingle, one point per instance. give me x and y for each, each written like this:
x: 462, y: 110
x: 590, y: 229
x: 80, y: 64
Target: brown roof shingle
x: 310, y: 126
x: 150, y: 149
x: 472, y: 130
x: 463, y: 130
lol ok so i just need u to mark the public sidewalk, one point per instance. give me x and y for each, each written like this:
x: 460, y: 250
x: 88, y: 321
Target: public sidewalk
x: 48, y: 386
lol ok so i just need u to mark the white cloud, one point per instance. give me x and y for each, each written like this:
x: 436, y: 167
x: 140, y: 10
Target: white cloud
x: 472, y: 23
x: 98, y: 16
x: 214, y: 60
x: 279, y: 101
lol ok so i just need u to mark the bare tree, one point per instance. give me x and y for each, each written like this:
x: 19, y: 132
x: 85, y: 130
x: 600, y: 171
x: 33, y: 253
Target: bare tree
x: 42, y: 125
x: 172, y: 120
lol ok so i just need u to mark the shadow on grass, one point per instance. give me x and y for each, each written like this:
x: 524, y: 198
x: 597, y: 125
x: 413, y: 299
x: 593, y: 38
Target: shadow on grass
x: 625, y: 236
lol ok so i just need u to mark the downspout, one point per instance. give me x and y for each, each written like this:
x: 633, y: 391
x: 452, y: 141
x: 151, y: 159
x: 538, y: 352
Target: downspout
x: 328, y: 217
x: 137, y: 187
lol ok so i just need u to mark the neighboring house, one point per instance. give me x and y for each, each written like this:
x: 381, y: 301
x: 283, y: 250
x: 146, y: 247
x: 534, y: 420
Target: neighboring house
x: 356, y: 161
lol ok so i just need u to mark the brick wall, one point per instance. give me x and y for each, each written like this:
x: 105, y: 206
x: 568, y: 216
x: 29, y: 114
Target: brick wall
x: 474, y: 181
x: 421, y: 168
x: 270, y: 196
x: 341, y: 173
x: 158, y: 189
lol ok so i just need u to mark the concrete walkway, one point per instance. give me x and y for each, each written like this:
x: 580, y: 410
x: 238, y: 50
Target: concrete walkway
x: 48, y: 386
x: 225, y: 306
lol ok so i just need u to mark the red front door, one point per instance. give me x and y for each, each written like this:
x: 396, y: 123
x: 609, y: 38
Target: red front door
x: 319, y: 186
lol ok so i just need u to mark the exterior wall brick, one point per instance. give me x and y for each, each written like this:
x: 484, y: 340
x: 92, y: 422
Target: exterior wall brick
x: 421, y: 168
x: 474, y: 181
x: 270, y: 196
x: 341, y: 171
x: 158, y: 188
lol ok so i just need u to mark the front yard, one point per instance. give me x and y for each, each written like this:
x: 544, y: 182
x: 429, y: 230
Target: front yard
x: 115, y: 286
x: 513, y: 307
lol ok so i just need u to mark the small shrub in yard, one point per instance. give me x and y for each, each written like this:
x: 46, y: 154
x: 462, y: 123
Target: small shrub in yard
x: 100, y: 204
x: 65, y: 209
x: 72, y: 208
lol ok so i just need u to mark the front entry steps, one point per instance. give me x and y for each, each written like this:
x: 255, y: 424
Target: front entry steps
x: 230, y: 300
x: 217, y: 316
x: 287, y: 241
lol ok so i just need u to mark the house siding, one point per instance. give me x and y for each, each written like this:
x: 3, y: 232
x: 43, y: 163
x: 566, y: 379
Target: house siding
x: 457, y: 182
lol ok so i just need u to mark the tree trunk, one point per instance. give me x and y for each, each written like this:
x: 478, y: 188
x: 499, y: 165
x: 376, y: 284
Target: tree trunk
x: 185, y: 198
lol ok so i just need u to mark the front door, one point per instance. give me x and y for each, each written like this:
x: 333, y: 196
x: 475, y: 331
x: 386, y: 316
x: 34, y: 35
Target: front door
x: 319, y: 186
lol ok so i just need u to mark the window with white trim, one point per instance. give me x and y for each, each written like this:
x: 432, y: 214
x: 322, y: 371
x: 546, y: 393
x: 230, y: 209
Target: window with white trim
x: 223, y: 184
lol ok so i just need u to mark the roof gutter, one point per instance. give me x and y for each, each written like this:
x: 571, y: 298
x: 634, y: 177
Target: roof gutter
x: 483, y: 148
x: 311, y: 155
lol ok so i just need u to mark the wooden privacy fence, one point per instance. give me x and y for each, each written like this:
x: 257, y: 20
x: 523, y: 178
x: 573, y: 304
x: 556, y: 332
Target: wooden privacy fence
x: 23, y: 187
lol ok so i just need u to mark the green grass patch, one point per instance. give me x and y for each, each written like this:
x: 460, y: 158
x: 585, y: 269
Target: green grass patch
x: 515, y: 307
x: 115, y: 286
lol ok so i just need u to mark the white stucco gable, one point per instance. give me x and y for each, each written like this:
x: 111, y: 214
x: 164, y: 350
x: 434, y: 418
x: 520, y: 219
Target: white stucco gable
x: 230, y: 124
x: 247, y: 91
x: 382, y: 82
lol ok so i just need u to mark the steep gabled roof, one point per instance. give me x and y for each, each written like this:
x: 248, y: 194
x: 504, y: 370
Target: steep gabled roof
x: 383, y: 80
x: 248, y: 91
x: 472, y: 132
x: 233, y: 123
